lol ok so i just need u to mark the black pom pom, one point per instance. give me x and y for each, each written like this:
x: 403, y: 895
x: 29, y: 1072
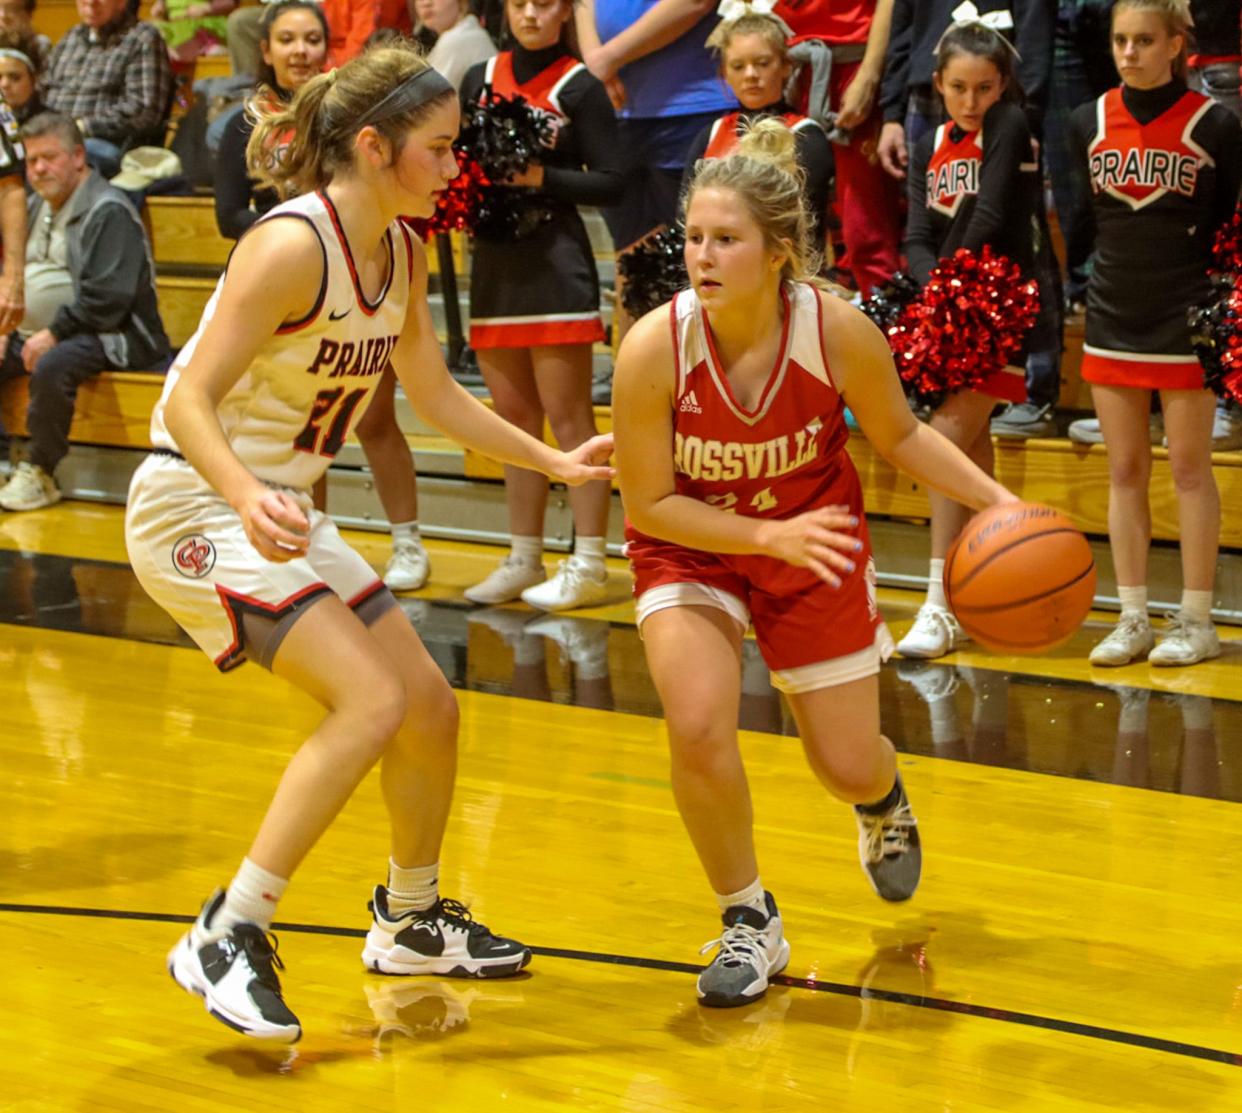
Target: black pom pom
x: 653, y: 271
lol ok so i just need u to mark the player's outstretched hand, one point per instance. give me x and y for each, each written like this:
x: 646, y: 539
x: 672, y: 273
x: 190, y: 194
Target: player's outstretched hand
x: 276, y: 525
x: 586, y: 462
x: 817, y: 540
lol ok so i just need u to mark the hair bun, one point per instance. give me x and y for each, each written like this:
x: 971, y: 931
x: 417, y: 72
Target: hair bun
x: 771, y: 141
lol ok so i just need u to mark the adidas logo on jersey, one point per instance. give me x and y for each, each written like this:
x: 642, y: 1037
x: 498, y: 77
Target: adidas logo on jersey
x: 690, y: 404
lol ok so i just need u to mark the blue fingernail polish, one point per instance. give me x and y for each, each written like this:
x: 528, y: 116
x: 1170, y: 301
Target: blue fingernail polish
x: 858, y: 546
x: 851, y: 565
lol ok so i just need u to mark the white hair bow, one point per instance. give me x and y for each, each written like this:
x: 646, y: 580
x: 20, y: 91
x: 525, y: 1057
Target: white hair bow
x: 966, y: 13
x: 729, y: 10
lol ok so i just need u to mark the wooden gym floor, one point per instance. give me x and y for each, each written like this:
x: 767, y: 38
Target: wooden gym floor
x: 1074, y: 945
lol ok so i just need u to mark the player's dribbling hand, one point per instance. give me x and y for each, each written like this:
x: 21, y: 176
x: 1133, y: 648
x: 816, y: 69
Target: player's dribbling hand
x: 586, y: 462
x: 817, y: 540
x: 276, y: 525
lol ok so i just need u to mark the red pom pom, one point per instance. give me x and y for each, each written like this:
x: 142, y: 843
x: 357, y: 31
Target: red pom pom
x: 458, y: 204
x: 1227, y: 247
x: 966, y: 324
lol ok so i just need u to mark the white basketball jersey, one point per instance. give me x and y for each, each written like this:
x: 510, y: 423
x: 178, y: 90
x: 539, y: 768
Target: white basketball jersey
x: 291, y: 411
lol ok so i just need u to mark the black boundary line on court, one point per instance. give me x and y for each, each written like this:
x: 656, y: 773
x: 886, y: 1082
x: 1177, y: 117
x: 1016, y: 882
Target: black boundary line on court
x: 841, y: 989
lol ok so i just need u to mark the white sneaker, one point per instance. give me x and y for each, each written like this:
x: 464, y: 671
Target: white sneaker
x: 445, y: 939
x: 234, y: 971
x: 1185, y: 641
x: 30, y: 488
x: 753, y: 950
x: 1130, y: 640
x: 935, y: 632
x: 507, y: 581
x: 409, y: 566
x: 578, y: 582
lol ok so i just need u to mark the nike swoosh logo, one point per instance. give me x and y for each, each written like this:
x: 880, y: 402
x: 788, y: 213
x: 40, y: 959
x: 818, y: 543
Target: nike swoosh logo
x: 339, y: 316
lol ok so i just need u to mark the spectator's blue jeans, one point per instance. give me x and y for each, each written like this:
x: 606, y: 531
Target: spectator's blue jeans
x: 103, y: 156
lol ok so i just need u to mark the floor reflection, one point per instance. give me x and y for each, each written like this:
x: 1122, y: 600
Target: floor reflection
x: 1106, y: 732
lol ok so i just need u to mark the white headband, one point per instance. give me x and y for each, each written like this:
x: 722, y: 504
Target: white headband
x: 17, y: 55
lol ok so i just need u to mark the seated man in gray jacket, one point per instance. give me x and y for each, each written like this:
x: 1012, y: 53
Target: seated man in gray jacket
x: 90, y: 298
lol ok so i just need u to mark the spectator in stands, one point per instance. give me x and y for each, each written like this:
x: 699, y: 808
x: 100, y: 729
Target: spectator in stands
x: 461, y: 40
x: 15, y: 23
x: 652, y: 57
x: 192, y: 27
x: 112, y: 76
x: 12, y: 234
x: 19, y: 79
x: 755, y: 64
x: 294, y: 47
x: 867, y: 199
x: 92, y: 303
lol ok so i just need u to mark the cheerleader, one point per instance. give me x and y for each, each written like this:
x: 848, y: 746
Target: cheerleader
x: 319, y: 296
x: 974, y: 183
x: 534, y: 301
x: 754, y: 63
x: 1165, y: 165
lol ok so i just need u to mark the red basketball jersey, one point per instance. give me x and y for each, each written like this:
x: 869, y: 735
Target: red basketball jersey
x: 834, y: 21
x: 785, y: 456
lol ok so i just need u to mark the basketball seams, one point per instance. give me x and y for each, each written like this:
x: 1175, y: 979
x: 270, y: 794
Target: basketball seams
x: 993, y: 608
x: 1000, y: 552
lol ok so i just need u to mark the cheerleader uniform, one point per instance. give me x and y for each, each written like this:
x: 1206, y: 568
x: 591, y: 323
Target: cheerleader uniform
x: 285, y: 419
x: 976, y: 189
x: 783, y: 458
x: 813, y: 151
x: 1165, y: 167
x: 543, y: 289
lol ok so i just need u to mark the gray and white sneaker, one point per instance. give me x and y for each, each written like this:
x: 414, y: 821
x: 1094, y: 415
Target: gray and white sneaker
x: 1130, y: 640
x: 234, y: 971
x: 890, y: 849
x: 1185, y: 641
x: 445, y: 939
x: 753, y: 950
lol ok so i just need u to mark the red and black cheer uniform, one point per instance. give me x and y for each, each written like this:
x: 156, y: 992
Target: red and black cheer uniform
x: 976, y: 189
x: 544, y: 289
x: 812, y: 150
x: 782, y: 458
x: 1165, y: 167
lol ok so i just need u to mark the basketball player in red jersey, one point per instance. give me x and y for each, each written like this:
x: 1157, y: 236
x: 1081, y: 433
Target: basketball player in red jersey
x: 1165, y: 165
x: 743, y: 508
x: 318, y: 297
x: 856, y: 33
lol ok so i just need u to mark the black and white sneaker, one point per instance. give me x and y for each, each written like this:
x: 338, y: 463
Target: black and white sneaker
x: 753, y: 950
x: 234, y: 971
x: 890, y: 850
x: 445, y: 940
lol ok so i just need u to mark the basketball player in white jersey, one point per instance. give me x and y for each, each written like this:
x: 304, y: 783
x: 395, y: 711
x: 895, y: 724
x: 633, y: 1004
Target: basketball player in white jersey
x: 318, y: 297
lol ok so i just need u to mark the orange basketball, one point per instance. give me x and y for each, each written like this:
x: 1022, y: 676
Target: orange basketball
x: 1020, y: 578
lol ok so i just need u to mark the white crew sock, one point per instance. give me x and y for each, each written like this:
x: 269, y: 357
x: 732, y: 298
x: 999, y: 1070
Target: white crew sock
x: 1197, y: 605
x: 252, y: 897
x: 752, y: 896
x: 1133, y: 599
x: 526, y: 550
x: 405, y: 531
x: 590, y: 549
x: 935, y: 584
x: 412, y: 890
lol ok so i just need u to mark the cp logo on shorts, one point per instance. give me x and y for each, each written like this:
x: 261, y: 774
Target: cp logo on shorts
x: 194, y: 556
